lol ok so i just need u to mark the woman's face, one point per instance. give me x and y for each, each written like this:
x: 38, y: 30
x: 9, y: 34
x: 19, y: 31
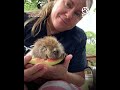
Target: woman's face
x: 66, y: 13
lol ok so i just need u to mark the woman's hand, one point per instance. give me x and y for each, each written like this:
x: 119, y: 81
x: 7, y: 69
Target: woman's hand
x: 32, y: 72
x: 58, y: 71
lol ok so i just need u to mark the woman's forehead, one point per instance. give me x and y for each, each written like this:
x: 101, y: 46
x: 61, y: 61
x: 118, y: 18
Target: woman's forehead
x: 79, y: 4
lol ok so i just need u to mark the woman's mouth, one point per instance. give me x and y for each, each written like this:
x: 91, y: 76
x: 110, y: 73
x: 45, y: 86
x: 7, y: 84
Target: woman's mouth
x: 63, y: 20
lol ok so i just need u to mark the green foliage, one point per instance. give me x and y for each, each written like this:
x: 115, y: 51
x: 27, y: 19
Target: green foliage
x: 91, y: 43
x: 28, y: 6
x: 90, y: 34
x: 91, y: 37
x: 32, y: 5
x: 91, y: 49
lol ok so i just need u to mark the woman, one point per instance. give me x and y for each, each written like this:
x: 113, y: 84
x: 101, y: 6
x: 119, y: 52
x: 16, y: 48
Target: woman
x: 59, y: 18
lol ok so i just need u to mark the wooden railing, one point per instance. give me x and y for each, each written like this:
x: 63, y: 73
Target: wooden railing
x: 91, y: 57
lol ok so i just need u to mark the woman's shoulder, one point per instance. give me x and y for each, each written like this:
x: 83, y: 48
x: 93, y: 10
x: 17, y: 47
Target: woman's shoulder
x: 80, y: 33
x: 77, y: 34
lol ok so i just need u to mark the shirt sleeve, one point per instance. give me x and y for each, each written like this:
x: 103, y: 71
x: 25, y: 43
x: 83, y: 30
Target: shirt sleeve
x: 26, y: 16
x: 27, y: 30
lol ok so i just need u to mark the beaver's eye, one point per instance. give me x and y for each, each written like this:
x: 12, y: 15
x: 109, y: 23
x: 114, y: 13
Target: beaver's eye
x: 55, y: 52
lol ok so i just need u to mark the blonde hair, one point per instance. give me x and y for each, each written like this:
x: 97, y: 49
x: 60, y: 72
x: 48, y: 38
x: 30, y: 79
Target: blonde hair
x: 44, y: 12
x: 89, y: 3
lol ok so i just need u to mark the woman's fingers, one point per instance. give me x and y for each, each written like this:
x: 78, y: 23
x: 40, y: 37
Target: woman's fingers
x: 27, y: 59
x: 33, y: 69
x: 28, y: 65
x: 67, y: 60
x: 38, y: 74
x: 34, y: 72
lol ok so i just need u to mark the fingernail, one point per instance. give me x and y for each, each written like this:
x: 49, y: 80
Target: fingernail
x: 70, y: 55
x: 28, y: 57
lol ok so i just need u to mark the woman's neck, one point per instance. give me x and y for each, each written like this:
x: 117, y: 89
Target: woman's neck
x: 50, y: 28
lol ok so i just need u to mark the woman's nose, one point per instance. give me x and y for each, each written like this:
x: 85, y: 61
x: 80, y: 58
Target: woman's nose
x: 69, y: 14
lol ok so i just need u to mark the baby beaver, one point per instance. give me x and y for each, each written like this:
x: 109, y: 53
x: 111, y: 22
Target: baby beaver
x: 48, y: 47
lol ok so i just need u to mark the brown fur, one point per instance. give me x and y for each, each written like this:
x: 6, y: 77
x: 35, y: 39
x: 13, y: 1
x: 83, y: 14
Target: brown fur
x: 48, y: 47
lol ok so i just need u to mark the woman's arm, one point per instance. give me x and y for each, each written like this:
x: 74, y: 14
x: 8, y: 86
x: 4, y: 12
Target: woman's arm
x: 75, y: 78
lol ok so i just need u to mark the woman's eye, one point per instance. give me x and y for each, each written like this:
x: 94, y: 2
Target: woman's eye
x: 68, y: 5
x: 77, y: 14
